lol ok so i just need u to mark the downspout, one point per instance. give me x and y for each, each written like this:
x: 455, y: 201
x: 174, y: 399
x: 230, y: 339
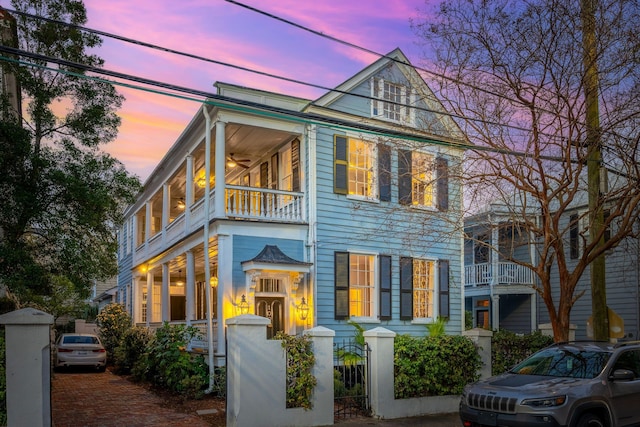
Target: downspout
x: 207, y: 264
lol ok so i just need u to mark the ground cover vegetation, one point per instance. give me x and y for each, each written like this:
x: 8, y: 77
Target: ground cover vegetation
x: 547, y: 91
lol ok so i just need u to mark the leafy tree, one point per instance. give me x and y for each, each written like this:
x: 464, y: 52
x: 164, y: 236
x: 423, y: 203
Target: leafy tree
x: 63, y: 300
x: 63, y: 197
x: 515, y: 71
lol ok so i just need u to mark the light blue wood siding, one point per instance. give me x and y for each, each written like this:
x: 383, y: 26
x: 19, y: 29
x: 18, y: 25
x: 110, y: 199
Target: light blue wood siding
x: 385, y: 228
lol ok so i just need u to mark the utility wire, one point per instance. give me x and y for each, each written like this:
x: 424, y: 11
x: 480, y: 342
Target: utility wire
x: 274, y: 76
x: 207, y: 94
x: 227, y: 102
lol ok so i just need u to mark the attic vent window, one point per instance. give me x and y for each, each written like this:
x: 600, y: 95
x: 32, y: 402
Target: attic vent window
x: 392, y: 101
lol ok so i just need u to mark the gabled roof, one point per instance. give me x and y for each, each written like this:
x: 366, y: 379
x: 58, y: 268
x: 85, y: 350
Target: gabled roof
x: 395, y: 57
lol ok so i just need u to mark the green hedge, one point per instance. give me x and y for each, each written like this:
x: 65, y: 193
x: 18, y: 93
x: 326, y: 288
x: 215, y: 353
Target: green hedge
x: 509, y: 348
x: 434, y: 365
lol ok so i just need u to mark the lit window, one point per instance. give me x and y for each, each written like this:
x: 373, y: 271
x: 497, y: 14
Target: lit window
x: 422, y: 179
x: 144, y: 308
x: 391, y: 101
x: 362, y: 176
x: 361, y: 285
x: 423, y: 288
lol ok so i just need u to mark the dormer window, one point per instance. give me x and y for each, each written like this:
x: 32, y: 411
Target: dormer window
x: 391, y: 101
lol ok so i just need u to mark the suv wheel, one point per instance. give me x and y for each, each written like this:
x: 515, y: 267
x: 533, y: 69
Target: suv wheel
x: 590, y: 420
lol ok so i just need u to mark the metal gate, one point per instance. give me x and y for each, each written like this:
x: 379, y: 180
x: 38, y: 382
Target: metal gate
x: 351, y: 379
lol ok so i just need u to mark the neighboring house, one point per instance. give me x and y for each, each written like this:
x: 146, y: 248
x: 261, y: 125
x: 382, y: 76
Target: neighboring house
x: 104, y: 292
x: 305, y: 212
x: 499, y: 292
x: 622, y: 273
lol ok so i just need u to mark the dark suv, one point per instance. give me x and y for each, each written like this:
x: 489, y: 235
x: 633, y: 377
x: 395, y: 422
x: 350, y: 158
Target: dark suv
x: 570, y: 384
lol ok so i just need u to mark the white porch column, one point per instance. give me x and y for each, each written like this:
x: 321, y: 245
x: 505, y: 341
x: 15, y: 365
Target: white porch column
x: 148, y: 220
x: 166, y: 205
x: 220, y: 153
x: 190, y: 287
x: 495, y: 257
x: 165, y: 300
x: 133, y: 300
x: 134, y: 233
x: 495, y: 311
x: 149, y: 297
x: 188, y: 199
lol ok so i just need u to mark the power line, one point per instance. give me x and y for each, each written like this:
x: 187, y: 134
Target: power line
x: 431, y: 72
x: 270, y: 75
x: 208, y: 94
x: 219, y: 100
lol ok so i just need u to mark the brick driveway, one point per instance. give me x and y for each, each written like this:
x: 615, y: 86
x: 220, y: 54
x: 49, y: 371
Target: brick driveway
x: 96, y: 399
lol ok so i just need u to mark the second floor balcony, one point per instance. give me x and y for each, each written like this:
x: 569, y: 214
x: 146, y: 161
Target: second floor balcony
x: 240, y: 203
x: 501, y: 273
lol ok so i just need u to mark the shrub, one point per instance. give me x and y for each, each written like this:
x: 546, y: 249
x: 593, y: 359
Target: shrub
x: 167, y: 364
x: 434, y: 366
x: 131, y: 349
x: 113, y: 321
x: 508, y: 348
x: 300, y: 362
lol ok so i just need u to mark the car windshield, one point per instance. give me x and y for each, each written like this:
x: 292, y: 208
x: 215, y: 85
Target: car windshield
x: 80, y: 340
x: 564, y: 362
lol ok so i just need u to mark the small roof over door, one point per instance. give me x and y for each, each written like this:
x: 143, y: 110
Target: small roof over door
x: 272, y: 258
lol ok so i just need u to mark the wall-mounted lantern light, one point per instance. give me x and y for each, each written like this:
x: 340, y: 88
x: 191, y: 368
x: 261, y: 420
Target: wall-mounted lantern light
x: 213, y: 282
x: 243, y: 305
x: 303, y: 309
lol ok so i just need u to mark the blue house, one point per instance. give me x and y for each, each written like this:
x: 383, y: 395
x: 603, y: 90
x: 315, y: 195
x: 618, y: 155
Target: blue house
x: 305, y: 212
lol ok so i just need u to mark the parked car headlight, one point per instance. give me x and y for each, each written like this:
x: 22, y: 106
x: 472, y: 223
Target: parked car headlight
x: 545, y: 402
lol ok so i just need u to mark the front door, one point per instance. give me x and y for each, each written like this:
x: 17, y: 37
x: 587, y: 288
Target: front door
x: 273, y: 309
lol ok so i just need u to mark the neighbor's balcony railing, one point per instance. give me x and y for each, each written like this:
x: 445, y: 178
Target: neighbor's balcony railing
x: 507, y: 273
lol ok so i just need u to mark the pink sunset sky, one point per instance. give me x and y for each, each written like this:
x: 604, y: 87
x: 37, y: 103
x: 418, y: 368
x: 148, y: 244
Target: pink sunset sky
x: 226, y: 32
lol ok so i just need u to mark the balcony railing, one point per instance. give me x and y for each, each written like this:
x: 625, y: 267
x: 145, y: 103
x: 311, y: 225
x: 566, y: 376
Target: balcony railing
x: 252, y: 203
x: 264, y: 204
x: 507, y: 273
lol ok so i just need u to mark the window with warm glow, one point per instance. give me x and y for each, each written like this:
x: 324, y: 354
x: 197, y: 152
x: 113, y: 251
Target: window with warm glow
x: 362, y: 177
x: 144, y: 308
x: 423, y: 288
x: 391, y: 101
x: 361, y: 285
x: 422, y: 179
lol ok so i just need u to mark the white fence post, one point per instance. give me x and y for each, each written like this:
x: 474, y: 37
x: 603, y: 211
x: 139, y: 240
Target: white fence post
x: 256, y: 377
x: 28, y: 367
x: 482, y: 339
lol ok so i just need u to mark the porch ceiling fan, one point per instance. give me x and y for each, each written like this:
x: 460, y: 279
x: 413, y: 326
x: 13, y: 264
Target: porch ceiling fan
x: 180, y: 204
x: 232, y: 162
